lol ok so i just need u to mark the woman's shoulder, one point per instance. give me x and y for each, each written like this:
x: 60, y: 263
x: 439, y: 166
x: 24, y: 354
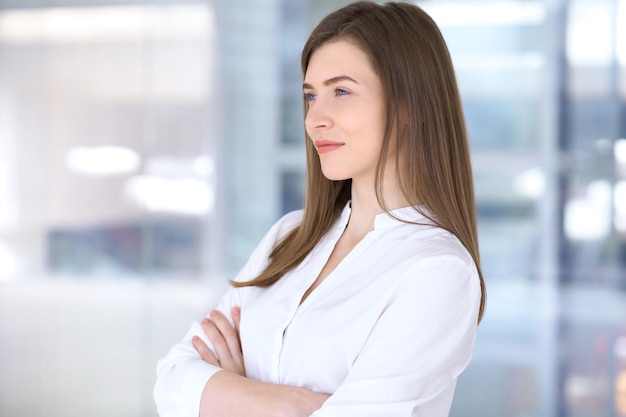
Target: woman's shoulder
x: 431, y: 243
x: 437, y: 258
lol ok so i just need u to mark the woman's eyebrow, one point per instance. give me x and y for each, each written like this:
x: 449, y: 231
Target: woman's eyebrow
x: 330, y: 81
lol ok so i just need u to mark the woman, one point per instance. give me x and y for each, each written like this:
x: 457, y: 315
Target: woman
x: 366, y: 302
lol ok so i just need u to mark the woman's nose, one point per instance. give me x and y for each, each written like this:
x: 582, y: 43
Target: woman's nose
x: 317, y: 116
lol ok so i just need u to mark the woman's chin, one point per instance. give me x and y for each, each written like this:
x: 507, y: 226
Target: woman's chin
x: 335, y: 176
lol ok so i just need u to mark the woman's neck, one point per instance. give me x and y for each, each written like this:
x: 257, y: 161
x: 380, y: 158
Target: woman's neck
x: 365, y: 206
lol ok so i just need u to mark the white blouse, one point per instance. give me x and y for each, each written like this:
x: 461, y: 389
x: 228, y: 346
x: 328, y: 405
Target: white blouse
x: 387, y: 333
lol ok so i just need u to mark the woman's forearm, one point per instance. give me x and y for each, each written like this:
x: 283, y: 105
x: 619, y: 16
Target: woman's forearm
x: 227, y: 394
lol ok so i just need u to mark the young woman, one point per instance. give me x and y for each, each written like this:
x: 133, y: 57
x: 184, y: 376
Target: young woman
x: 366, y: 302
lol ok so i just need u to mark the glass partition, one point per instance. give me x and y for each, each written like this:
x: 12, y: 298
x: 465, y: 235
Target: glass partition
x: 107, y: 198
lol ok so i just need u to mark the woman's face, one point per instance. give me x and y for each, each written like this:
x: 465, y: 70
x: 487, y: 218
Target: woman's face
x: 346, y: 114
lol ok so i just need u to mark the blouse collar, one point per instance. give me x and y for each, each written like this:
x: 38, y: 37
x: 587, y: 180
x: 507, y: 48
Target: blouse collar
x: 384, y: 220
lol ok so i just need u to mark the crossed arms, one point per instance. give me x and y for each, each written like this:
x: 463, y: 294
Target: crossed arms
x: 229, y: 393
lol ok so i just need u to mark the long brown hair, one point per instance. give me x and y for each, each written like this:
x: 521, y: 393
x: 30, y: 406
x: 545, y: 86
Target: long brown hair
x: 423, y: 107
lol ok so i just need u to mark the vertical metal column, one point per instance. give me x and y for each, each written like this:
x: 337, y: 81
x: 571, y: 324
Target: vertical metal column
x: 552, y: 254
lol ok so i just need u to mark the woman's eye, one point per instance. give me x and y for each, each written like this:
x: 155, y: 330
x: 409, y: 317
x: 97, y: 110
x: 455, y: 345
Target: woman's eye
x: 341, y: 92
x: 309, y: 96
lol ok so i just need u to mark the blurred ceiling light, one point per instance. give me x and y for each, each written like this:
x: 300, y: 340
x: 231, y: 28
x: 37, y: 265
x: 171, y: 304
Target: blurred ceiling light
x: 589, y: 217
x: 102, y: 160
x: 582, y: 387
x: 619, y: 150
x: 591, y: 33
x: 8, y: 263
x: 485, y: 13
x: 620, y: 35
x: 530, y: 183
x: 172, y: 195
x: 106, y: 23
x: 203, y: 166
x: 619, y: 199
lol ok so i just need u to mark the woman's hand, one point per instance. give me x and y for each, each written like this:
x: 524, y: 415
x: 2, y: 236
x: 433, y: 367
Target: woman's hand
x: 231, y: 394
x: 225, y: 340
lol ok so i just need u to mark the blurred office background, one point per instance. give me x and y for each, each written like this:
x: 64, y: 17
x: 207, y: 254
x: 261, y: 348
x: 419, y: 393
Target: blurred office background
x: 146, y: 146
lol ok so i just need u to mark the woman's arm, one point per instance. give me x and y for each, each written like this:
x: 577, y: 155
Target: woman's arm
x: 414, y: 353
x: 229, y: 393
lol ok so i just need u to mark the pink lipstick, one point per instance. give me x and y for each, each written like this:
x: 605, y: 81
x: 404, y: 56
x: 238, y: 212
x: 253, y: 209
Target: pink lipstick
x: 325, y: 146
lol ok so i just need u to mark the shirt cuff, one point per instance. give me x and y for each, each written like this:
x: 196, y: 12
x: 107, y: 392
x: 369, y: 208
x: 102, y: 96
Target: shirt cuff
x: 197, y: 375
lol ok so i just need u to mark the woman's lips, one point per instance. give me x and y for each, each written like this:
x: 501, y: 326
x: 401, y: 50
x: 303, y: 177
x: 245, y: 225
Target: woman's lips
x: 325, y: 146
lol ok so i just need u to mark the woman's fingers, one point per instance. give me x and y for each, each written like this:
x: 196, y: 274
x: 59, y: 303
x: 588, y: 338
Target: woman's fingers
x: 228, y: 331
x: 235, y: 313
x: 216, y: 338
x: 205, y: 353
x: 225, y: 340
x: 230, y: 336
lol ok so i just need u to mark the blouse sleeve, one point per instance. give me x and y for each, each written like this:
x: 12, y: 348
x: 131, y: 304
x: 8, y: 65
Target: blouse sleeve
x: 182, y: 374
x: 420, y: 344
